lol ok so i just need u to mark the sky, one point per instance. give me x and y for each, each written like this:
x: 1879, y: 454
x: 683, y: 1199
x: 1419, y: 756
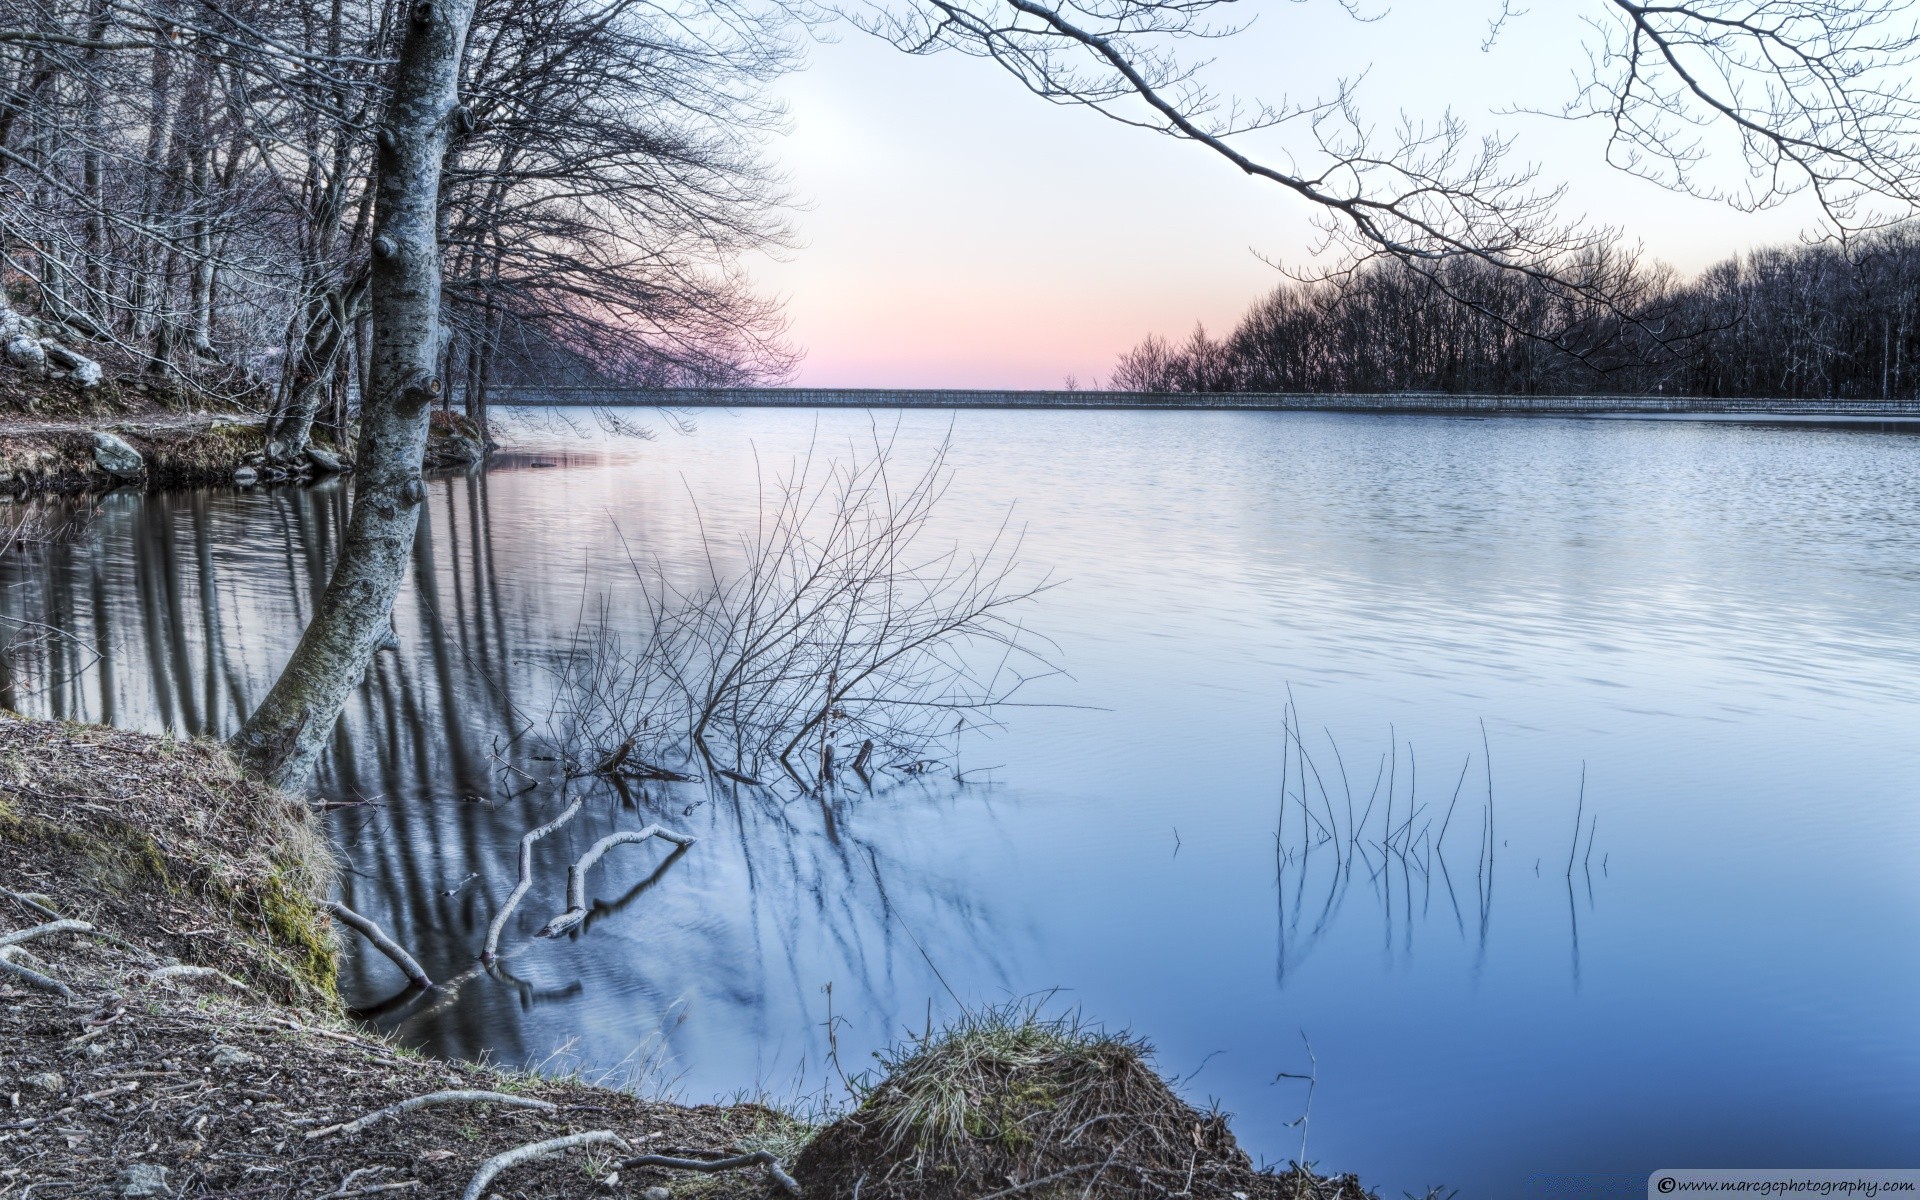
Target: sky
x: 957, y: 231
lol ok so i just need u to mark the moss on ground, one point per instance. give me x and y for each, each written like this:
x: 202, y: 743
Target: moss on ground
x: 176, y: 859
x: 170, y: 841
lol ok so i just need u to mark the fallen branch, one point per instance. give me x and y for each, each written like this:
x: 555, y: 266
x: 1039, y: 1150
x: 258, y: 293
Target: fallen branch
x: 759, y: 1158
x: 31, y: 978
x: 381, y: 942
x: 513, y: 1158
x: 427, y: 1101
x: 492, y: 950
x: 51, y: 927
x: 577, y: 874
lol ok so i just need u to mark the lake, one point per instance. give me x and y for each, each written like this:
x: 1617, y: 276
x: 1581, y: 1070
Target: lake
x: 1716, y: 625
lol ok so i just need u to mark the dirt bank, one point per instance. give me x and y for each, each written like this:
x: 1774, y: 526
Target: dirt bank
x: 153, y: 1080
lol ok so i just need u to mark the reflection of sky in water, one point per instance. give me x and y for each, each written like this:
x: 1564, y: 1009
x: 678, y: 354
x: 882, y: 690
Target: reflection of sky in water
x: 1719, y: 620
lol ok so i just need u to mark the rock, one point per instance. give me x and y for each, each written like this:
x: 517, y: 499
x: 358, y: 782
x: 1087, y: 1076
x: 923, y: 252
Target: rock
x: 25, y: 353
x: 46, y: 1081
x: 144, y: 1179
x: 656, y: 1193
x: 324, y: 460
x: 117, y: 458
x: 84, y: 371
x: 245, y: 477
x: 454, y: 450
x: 233, y: 1056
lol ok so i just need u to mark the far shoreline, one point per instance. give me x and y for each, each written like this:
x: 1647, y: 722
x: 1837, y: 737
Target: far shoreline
x: 1437, y: 403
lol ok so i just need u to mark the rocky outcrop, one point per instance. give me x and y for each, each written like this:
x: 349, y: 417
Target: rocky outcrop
x: 85, y: 373
x: 23, y: 343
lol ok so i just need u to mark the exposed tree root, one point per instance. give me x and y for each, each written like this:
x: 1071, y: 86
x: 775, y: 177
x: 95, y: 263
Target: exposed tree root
x: 428, y: 1100
x: 500, y: 1162
x: 32, y: 978
x: 758, y: 1158
x: 177, y: 971
x: 59, y: 926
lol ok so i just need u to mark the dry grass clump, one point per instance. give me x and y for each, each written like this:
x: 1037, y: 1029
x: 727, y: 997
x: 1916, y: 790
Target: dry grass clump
x: 1010, y: 1103
x: 175, y: 847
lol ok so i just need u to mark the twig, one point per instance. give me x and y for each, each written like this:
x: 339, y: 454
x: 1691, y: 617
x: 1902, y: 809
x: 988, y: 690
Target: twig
x: 1578, y: 812
x: 428, y: 1100
x: 765, y: 1158
x: 1031, y: 1184
x: 347, y: 1189
x: 492, y: 950
x: 577, y: 874
x: 500, y: 1162
x: 381, y: 942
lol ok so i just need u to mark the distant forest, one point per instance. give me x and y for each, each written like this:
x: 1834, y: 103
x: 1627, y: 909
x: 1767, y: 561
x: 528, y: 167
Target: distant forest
x: 1802, y: 322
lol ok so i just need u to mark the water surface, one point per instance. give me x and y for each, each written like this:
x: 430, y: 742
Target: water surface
x: 1720, y: 621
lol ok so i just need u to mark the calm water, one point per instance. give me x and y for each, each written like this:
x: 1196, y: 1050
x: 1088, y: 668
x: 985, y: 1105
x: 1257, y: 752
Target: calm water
x: 1721, y: 622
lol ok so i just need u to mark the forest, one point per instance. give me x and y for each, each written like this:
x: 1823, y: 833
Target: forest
x: 1822, y: 321
x: 187, y: 191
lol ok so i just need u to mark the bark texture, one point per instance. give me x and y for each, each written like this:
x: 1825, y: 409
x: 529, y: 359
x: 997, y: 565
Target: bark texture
x: 284, y: 737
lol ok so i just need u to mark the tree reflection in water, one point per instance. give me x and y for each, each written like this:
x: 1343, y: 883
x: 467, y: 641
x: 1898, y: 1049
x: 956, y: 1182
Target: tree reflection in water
x: 708, y: 966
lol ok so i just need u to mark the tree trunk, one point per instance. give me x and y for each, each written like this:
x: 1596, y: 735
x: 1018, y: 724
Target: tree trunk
x: 283, y: 738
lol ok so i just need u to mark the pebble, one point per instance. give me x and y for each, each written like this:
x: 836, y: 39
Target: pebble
x: 656, y: 1193
x: 144, y: 1179
x: 233, y: 1056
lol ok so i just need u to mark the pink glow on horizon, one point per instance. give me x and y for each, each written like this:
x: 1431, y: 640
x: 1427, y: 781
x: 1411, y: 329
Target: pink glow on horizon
x: 961, y: 233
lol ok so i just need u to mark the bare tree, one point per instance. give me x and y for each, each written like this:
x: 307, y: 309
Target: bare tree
x: 1815, y: 95
x: 284, y: 736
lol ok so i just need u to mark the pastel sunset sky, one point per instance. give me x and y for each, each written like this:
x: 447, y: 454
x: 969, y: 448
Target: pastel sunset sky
x: 959, y: 232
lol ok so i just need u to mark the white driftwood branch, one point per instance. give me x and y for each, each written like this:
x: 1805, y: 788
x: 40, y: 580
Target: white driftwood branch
x: 427, y: 1101
x: 577, y: 874
x: 31, y: 978
x: 492, y: 950
x: 758, y: 1158
x: 512, y: 1158
x: 381, y: 942
x: 61, y: 926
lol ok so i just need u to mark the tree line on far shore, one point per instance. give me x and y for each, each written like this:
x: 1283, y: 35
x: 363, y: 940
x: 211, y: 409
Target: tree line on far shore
x: 1809, y: 322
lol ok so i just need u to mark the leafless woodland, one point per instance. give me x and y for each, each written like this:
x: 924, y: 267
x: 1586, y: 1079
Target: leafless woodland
x: 192, y: 184
x: 1831, y: 320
